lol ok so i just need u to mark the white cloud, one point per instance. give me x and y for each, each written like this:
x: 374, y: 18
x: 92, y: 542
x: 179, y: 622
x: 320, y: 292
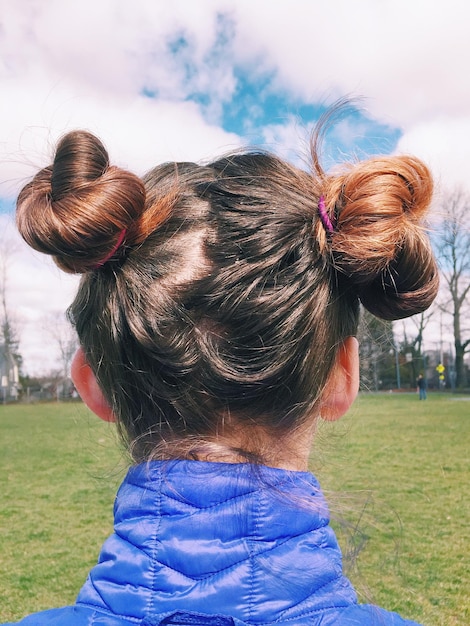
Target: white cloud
x: 289, y: 139
x: 35, y: 288
x: 407, y: 59
x: 68, y: 67
x: 443, y: 144
x: 139, y: 132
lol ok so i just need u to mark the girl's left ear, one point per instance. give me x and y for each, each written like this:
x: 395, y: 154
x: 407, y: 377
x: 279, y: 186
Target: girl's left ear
x: 343, y: 384
x: 88, y: 389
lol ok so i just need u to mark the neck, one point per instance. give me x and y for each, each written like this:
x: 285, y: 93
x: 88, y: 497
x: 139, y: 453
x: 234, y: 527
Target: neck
x: 253, y: 443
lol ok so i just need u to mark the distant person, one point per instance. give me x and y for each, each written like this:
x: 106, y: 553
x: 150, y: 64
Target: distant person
x: 217, y: 314
x: 421, y: 384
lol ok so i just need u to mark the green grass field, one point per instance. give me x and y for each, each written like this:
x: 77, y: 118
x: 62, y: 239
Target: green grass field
x: 395, y: 471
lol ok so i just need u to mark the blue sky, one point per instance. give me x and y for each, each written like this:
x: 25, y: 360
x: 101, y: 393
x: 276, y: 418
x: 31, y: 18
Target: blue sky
x: 162, y: 81
x: 7, y: 205
x: 255, y: 104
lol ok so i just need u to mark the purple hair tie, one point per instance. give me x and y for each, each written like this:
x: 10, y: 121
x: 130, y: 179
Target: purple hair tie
x: 325, y: 218
x: 113, y: 251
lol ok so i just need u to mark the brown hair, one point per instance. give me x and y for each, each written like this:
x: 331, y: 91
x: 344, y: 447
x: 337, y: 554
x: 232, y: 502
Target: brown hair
x: 228, y: 299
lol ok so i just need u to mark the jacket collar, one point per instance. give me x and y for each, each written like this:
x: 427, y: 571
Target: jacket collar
x: 200, y: 536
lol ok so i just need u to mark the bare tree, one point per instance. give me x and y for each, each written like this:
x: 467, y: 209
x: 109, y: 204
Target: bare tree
x: 377, y: 352
x: 10, y: 357
x: 65, y: 339
x: 9, y: 336
x: 412, y: 347
x: 452, y: 245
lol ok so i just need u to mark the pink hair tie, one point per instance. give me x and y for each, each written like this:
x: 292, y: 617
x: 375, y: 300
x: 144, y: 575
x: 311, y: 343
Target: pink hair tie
x: 113, y: 251
x: 325, y: 218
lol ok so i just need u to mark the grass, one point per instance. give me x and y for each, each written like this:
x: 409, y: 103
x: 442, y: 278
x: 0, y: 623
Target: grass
x: 395, y: 471
x: 398, y: 472
x: 60, y: 468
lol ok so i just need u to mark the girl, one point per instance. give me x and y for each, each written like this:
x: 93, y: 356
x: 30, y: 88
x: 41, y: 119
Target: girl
x: 217, y: 314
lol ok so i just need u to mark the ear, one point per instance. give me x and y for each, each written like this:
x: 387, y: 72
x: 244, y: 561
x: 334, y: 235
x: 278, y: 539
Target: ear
x: 343, y: 384
x: 88, y: 389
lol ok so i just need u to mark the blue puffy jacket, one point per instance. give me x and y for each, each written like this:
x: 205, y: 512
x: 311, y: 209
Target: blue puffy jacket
x: 214, y: 544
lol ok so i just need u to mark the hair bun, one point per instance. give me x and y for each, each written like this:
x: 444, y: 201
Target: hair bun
x: 76, y: 209
x: 379, y: 241
x: 407, y: 287
x: 79, y: 159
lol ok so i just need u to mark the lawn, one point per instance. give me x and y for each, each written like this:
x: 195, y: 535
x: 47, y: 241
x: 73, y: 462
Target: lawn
x: 395, y: 471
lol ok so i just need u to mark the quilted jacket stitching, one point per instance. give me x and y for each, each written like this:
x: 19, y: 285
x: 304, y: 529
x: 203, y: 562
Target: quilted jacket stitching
x: 210, y: 506
x: 311, y: 611
x: 165, y: 487
x: 155, y: 543
x: 251, y: 592
x: 252, y: 557
x: 99, y: 611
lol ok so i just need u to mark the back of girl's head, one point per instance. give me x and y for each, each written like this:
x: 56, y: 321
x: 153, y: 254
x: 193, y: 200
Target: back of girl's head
x: 213, y: 296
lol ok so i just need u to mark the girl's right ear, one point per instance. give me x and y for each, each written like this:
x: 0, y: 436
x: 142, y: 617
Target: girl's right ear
x: 85, y: 383
x: 342, y: 387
